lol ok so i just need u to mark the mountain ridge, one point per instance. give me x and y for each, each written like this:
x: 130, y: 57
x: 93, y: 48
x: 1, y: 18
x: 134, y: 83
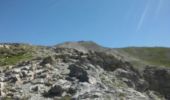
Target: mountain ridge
x: 83, y: 70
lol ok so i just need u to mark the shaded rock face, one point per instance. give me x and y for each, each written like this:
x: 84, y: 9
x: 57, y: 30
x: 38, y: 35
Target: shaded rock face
x: 159, y: 80
x: 54, y: 91
x: 107, y: 62
x: 75, y: 75
x: 79, y: 73
x: 47, y: 60
x: 132, y: 79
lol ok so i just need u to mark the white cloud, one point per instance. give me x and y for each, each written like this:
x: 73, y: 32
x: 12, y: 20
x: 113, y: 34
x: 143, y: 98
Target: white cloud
x: 159, y: 6
x: 142, y: 18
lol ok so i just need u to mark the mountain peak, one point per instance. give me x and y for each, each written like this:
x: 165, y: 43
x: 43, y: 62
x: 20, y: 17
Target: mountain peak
x: 83, y: 46
x: 63, y: 73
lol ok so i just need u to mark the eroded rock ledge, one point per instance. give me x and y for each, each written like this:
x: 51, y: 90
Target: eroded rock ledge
x: 69, y: 74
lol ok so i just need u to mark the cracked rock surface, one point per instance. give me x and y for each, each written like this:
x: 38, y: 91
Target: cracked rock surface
x: 70, y: 74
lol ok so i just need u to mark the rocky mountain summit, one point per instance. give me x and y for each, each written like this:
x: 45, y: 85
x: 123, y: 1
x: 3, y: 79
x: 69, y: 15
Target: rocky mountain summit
x: 80, y: 71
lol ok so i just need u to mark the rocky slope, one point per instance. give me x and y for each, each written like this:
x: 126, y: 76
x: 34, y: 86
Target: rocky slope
x: 79, y: 71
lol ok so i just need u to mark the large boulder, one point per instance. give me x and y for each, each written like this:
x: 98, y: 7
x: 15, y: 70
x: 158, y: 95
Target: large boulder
x: 132, y: 79
x: 48, y: 60
x: 79, y: 73
x: 159, y: 80
x: 106, y: 61
x: 56, y: 90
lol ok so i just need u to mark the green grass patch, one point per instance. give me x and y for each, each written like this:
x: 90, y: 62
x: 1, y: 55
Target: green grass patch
x: 154, y: 56
x: 15, y: 54
x: 11, y: 60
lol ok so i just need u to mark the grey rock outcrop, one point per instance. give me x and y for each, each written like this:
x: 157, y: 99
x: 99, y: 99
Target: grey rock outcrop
x: 71, y: 74
x: 159, y: 80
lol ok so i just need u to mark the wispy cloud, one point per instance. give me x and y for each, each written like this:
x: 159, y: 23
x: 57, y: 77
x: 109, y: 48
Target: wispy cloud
x: 143, y: 15
x: 159, y: 6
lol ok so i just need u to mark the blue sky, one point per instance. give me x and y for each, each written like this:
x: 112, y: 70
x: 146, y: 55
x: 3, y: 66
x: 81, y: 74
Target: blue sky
x: 111, y: 23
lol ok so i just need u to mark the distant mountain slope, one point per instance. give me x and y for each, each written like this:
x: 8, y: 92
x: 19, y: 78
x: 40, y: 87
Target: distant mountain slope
x: 84, y: 46
x: 83, y: 71
x: 137, y: 55
x: 150, y: 55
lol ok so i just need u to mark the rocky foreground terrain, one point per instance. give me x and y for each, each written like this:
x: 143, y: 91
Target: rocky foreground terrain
x: 83, y: 71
